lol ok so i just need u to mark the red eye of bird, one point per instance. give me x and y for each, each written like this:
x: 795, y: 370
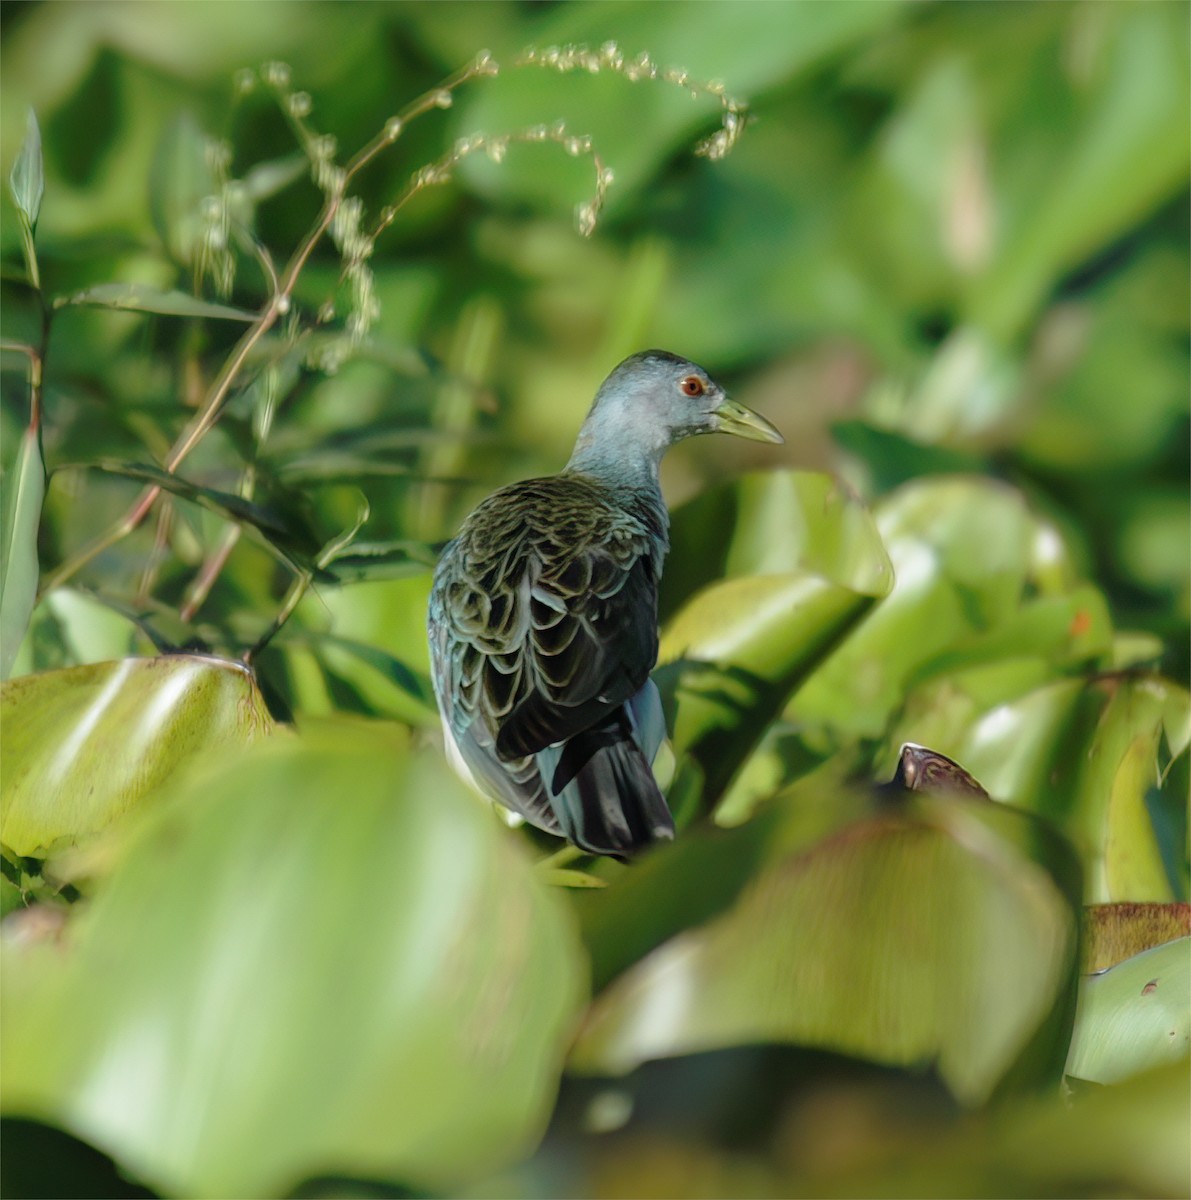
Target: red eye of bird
x: 692, y: 385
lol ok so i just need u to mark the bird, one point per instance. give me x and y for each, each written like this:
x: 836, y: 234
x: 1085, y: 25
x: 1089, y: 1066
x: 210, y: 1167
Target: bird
x: 543, y: 622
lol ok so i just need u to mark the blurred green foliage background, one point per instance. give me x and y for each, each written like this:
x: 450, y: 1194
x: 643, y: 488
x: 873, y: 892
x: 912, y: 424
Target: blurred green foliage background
x: 948, y: 258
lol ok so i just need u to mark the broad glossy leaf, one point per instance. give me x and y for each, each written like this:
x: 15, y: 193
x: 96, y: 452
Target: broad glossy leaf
x: 1087, y: 755
x: 732, y: 655
x: 1134, y: 1131
x: 920, y: 934
x: 385, y: 685
x: 1134, y: 1016
x: 322, y: 957
x: 387, y: 613
x: 141, y: 297
x: 672, y: 889
x: 23, y: 494
x: 86, y: 745
x: 770, y: 523
x: 966, y: 552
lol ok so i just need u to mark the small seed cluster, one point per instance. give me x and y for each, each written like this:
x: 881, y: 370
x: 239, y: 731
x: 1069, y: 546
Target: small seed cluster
x: 347, y: 229
x: 610, y: 57
x: 214, y: 259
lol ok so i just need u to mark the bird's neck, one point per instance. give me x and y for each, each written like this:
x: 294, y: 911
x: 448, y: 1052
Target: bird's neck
x: 619, y: 456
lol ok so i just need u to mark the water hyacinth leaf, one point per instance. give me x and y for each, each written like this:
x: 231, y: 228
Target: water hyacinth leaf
x: 86, y: 745
x: 963, y: 550
x: 731, y: 656
x: 1114, y: 932
x: 26, y: 180
x: 180, y: 179
x: 1134, y: 1016
x: 1022, y: 747
x: 769, y: 523
x: 395, y: 990
x: 940, y: 711
x: 23, y: 494
x: 1061, y: 630
x: 1087, y: 755
x: 701, y: 874
x: 140, y: 297
x: 1132, y: 865
x: 864, y: 943
x: 1136, y: 1130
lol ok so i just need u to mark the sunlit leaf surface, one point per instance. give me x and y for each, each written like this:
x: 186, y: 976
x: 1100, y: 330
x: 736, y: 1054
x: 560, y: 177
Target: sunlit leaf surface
x: 1134, y: 1015
x: 917, y: 935
x: 805, y: 563
x: 85, y: 745
x: 320, y: 956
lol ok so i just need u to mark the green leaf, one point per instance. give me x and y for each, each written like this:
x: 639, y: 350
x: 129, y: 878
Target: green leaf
x: 390, y: 685
x: 23, y: 493
x: 1134, y: 1016
x: 142, y: 298
x: 71, y: 627
x: 966, y: 554
x: 1136, y: 1131
x: 179, y: 180
x: 1127, y: 155
x: 920, y: 934
x: 26, y: 181
x: 682, y: 885
x: 369, y: 561
x: 86, y: 745
x: 1086, y: 755
x: 286, y: 532
x: 734, y: 653
x: 323, y: 956
x: 388, y: 614
x: 264, y: 180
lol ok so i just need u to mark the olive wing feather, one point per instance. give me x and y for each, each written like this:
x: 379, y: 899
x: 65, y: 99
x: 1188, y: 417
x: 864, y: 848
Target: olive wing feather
x: 546, y: 608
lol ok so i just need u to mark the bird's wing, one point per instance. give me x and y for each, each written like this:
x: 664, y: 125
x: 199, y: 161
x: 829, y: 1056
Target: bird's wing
x: 546, y: 615
x: 591, y: 643
x: 457, y: 667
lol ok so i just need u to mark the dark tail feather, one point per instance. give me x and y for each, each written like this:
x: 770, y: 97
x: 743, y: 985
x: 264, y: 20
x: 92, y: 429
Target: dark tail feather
x: 605, y: 796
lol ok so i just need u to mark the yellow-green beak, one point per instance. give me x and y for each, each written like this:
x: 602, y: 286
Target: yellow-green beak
x: 743, y: 422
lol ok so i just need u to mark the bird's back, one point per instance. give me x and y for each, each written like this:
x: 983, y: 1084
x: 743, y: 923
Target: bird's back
x: 543, y: 625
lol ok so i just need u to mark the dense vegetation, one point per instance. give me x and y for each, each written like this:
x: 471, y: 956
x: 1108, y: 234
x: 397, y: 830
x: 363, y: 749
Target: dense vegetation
x: 270, y: 330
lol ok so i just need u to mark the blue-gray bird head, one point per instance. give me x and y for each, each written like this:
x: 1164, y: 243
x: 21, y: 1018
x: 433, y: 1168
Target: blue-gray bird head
x: 654, y: 399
